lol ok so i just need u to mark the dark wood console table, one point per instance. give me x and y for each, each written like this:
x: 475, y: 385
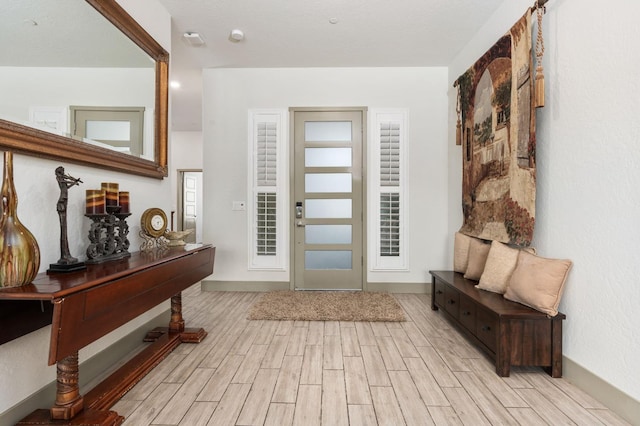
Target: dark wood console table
x: 91, y: 303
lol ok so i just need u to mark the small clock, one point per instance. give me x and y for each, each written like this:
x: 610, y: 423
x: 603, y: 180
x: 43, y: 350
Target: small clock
x: 153, y: 222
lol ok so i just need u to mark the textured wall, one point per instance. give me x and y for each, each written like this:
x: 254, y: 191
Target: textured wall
x: 23, y: 362
x: 588, y: 201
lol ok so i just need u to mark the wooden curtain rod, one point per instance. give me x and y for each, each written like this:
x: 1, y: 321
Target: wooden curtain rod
x: 538, y: 3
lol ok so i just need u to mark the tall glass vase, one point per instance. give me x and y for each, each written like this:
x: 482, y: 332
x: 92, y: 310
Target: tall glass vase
x: 19, y: 252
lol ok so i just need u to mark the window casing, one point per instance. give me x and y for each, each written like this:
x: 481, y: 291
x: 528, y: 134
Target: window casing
x: 267, y: 189
x: 388, y: 188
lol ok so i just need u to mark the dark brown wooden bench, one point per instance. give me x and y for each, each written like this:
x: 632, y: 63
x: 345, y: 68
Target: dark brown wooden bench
x: 509, y: 332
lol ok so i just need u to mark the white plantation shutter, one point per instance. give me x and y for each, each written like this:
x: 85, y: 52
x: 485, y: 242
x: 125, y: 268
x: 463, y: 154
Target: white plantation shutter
x: 267, y: 182
x: 388, y: 207
x: 390, y: 153
x: 266, y: 225
x: 389, y: 224
x: 267, y: 162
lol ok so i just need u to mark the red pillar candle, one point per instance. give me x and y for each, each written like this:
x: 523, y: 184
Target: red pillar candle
x: 111, y: 193
x: 95, y: 201
x: 123, y: 200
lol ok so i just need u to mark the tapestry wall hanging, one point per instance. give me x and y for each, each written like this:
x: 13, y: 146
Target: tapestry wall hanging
x: 498, y: 133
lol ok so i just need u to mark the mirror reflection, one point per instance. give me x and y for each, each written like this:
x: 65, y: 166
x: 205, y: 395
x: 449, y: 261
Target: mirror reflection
x: 60, y: 56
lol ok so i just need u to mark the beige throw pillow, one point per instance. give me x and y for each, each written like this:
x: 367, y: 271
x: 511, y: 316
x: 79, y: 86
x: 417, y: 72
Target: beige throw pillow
x: 501, y: 262
x: 538, y: 282
x: 461, y: 252
x: 478, y: 252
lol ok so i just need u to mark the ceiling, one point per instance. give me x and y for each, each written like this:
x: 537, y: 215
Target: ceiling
x: 300, y: 33
x: 277, y: 33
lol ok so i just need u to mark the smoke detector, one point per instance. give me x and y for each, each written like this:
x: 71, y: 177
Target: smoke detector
x: 236, y: 35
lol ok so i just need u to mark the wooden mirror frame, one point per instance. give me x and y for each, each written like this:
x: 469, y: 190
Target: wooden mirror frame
x: 25, y: 140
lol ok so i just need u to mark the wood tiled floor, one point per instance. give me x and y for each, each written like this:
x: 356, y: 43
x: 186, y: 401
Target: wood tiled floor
x: 419, y: 372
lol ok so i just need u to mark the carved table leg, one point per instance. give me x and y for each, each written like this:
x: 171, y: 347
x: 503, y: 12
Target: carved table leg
x: 176, y: 325
x: 69, y: 402
x: 177, y: 322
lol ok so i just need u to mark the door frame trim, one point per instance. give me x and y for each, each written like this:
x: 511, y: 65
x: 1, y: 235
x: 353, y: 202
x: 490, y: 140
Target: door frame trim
x: 365, y: 116
x: 180, y: 195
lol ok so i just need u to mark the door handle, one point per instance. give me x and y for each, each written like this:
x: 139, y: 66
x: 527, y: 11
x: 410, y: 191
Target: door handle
x: 300, y: 224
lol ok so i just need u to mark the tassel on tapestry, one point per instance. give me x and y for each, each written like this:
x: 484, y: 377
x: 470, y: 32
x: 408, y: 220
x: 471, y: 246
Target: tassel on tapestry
x: 458, y: 122
x: 539, y: 88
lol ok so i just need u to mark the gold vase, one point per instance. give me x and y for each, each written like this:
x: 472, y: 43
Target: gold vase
x: 19, y: 255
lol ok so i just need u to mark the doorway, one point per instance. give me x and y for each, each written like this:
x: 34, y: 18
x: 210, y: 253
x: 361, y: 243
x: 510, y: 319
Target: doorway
x: 190, y: 204
x: 327, y: 199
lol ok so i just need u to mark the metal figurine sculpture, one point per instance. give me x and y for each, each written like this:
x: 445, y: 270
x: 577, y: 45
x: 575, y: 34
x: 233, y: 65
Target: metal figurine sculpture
x: 66, y: 263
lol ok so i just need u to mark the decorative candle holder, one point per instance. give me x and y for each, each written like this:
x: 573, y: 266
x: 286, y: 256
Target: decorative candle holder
x: 108, y: 235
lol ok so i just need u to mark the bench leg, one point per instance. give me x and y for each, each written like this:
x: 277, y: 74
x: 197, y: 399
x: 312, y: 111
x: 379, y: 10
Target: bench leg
x: 556, y: 349
x: 433, y: 294
x: 503, y: 352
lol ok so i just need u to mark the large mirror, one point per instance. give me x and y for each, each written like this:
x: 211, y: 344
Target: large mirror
x: 60, y: 57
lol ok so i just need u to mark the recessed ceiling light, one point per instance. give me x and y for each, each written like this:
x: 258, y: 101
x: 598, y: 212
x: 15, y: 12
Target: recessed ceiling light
x: 193, y: 39
x: 333, y: 20
x: 175, y: 84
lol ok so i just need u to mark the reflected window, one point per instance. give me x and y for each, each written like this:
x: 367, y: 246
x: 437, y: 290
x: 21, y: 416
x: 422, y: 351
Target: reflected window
x: 116, y: 128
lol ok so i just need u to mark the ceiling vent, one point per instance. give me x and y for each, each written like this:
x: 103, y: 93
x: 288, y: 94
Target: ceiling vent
x: 193, y: 39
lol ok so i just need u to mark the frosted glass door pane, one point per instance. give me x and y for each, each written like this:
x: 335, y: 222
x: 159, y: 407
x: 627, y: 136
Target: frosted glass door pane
x: 330, y: 209
x: 327, y: 234
x: 327, y: 157
x: 327, y: 131
x: 108, y: 130
x: 327, y: 182
x: 327, y: 259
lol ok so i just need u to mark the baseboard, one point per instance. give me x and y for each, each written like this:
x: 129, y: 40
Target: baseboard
x: 257, y: 286
x: 91, y: 371
x: 613, y: 398
x: 263, y: 286
x: 420, y: 288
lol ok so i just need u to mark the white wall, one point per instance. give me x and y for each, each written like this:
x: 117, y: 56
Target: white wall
x: 23, y: 362
x: 230, y: 93
x: 588, y: 188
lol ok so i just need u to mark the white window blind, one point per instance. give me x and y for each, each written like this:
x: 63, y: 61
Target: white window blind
x: 389, y: 224
x: 388, y: 190
x: 266, y: 226
x: 268, y: 186
x: 267, y: 159
x: 390, y: 153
